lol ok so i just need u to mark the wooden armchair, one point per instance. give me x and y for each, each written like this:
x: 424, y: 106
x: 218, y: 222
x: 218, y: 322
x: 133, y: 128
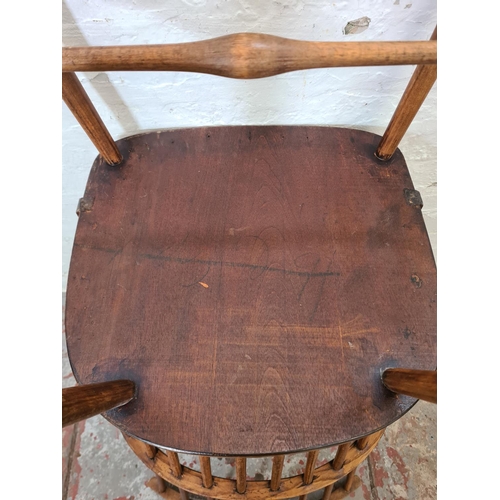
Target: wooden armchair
x: 250, y: 291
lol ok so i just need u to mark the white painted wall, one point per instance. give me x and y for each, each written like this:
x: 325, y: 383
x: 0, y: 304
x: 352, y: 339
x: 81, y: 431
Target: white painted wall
x: 362, y: 98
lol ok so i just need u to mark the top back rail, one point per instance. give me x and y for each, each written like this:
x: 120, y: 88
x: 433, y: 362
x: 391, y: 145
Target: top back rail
x: 249, y: 55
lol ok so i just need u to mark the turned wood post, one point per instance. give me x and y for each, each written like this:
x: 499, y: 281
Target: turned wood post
x: 419, y: 86
x: 82, y: 108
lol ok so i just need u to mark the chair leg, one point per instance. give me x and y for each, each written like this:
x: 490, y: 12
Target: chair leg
x: 161, y: 487
x: 161, y: 484
x: 349, y: 481
x: 352, y: 482
x: 328, y: 491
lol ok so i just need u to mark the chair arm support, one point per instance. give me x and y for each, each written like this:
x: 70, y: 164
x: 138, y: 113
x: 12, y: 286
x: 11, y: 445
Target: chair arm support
x: 85, y: 401
x: 421, y: 384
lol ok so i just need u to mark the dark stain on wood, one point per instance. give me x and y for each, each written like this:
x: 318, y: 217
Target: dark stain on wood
x: 308, y: 248
x: 416, y: 280
x: 413, y: 198
x: 84, y: 205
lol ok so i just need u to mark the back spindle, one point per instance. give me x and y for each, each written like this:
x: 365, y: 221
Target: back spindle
x: 278, y: 461
x: 241, y: 474
x: 338, y: 461
x: 312, y: 458
x: 175, y: 465
x: 206, y: 472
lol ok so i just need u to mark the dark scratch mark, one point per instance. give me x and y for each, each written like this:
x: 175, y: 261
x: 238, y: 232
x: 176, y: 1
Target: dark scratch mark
x: 306, y: 281
x: 198, y: 280
x: 320, y: 294
x: 180, y: 260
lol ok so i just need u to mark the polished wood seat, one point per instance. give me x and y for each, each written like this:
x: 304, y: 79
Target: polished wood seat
x: 253, y: 282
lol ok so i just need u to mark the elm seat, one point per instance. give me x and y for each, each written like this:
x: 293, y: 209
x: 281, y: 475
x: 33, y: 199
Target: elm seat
x: 253, y: 282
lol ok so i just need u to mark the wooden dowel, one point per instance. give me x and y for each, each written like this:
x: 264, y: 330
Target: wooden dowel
x: 278, y: 461
x: 241, y: 474
x: 339, y: 459
x: 183, y: 494
x: 85, y: 401
x: 312, y: 457
x: 303, y: 497
x: 82, y: 108
x: 206, y: 472
x: 175, y: 465
x: 247, y: 55
x: 349, y: 481
x: 362, y: 442
x: 421, y: 384
x: 419, y: 86
x: 328, y: 491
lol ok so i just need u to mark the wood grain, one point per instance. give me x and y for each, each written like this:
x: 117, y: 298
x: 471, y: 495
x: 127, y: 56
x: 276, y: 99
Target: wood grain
x: 78, y: 102
x: 421, y: 384
x: 308, y: 248
x: 85, y: 401
x: 246, y: 55
x: 419, y: 86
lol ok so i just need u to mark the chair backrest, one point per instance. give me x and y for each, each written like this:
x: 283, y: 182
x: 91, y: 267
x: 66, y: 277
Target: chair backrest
x: 249, y: 55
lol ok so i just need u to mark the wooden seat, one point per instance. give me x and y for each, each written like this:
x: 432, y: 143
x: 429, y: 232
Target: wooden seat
x: 253, y: 282
x: 255, y: 290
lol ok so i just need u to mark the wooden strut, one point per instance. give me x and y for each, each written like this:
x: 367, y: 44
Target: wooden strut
x: 421, y: 384
x: 419, y: 86
x: 175, y: 464
x: 226, y: 489
x: 241, y: 474
x: 328, y: 491
x: 85, y: 401
x: 338, y: 461
x: 84, y: 111
x: 247, y: 55
x: 206, y: 472
x: 312, y: 458
x: 278, y: 461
